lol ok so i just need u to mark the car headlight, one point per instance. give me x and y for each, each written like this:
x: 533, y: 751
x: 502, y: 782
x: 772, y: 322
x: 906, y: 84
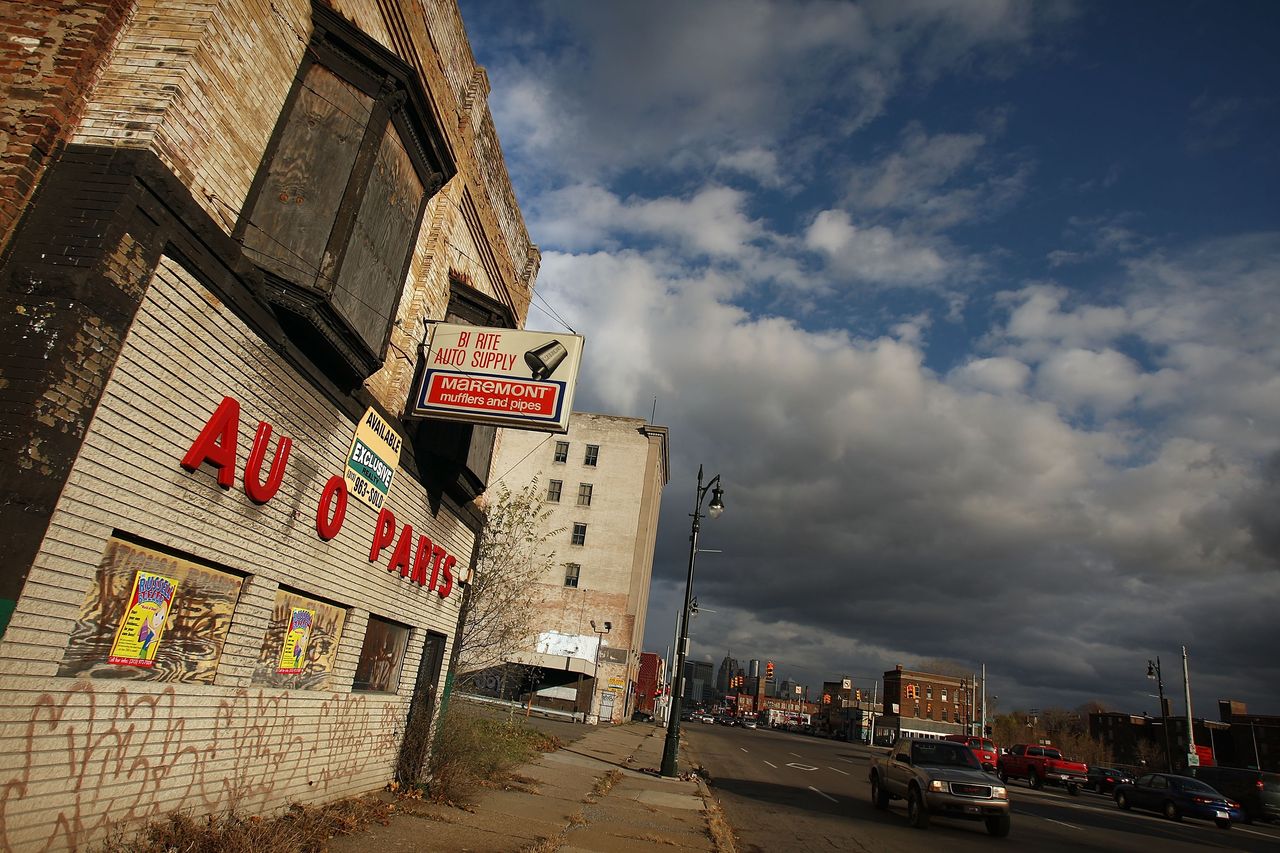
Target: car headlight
x: 937, y: 785
x: 999, y: 793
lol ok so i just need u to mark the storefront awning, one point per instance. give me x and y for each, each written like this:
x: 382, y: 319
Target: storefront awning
x: 556, y: 662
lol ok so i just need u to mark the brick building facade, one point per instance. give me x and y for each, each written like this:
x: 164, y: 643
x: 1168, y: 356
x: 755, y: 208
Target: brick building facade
x: 224, y: 228
x: 927, y: 704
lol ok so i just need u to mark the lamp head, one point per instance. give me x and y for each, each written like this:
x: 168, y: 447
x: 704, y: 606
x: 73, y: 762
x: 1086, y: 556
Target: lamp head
x: 1151, y: 670
x: 608, y: 626
x: 717, y: 502
x: 593, y: 624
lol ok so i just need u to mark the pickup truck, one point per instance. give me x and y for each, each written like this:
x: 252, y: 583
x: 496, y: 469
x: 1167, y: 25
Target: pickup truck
x: 1040, y: 765
x: 939, y: 777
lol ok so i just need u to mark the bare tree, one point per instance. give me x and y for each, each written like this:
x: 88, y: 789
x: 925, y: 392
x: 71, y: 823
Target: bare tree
x: 500, y: 603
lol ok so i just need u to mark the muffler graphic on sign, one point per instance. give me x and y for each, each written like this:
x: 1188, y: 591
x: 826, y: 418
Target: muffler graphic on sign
x: 544, y: 360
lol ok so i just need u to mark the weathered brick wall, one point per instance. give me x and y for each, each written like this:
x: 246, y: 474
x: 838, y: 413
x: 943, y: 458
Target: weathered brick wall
x: 109, y: 372
x: 617, y: 559
x: 50, y: 51
x: 70, y: 767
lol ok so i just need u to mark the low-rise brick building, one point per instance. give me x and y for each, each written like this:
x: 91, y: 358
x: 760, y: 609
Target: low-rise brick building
x: 232, y: 568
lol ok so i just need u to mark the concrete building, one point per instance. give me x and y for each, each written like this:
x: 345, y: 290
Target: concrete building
x: 724, y: 675
x: 224, y: 228
x: 698, y: 686
x: 603, y: 483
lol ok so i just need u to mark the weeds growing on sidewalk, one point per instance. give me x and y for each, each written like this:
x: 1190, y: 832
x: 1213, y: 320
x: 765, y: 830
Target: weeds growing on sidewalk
x: 472, y: 752
x: 302, y: 829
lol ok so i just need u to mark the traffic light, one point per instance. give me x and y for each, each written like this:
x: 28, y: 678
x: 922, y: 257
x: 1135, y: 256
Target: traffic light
x: 768, y: 670
x: 857, y: 695
x: 826, y: 698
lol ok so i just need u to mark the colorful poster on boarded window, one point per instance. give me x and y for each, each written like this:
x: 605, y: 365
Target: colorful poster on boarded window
x: 294, y: 648
x: 138, y: 637
x: 372, y: 460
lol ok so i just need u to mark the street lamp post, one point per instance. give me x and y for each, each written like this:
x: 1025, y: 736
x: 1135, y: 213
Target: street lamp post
x: 595, y: 676
x: 671, y: 748
x: 1153, y: 672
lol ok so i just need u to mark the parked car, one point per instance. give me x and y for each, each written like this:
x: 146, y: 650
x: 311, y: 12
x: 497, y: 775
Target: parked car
x: 1177, y: 797
x: 1040, y: 765
x: 984, y: 749
x: 749, y: 724
x: 1104, y: 779
x: 1257, y: 791
x: 939, y: 777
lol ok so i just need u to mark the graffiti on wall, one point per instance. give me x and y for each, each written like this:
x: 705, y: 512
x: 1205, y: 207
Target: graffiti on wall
x: 93, y: 758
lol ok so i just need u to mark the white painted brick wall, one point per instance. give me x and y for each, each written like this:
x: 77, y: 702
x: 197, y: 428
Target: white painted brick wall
x: 81, y: 755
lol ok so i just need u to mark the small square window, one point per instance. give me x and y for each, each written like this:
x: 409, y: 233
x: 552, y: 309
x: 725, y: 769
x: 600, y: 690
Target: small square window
x: 593, y: 453
x: 571, y: 572
x: 944, y: 715
x: 584, y: 494
x: 553, y: 490
x: 381, y: 657
x: 928, y: 692
x: 562, y: 451
x: 579, y: 533
x: 944, y: 694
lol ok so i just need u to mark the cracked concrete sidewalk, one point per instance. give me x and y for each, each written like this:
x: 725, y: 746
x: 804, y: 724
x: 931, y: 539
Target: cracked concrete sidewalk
x: 563, y: 809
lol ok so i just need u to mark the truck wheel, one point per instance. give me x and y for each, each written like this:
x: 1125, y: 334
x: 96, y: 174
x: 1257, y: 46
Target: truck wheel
x: 879, y: 796
x: 1035, y: 781
x: 917, y: 814
x: 1171, y: 811
x: 1223, y: 822
x: 999, y: 826
x: 1004, y: 777
x: 1073, y: 789
x: 1122, y: 801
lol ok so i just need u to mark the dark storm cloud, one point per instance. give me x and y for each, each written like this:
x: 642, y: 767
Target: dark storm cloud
x: 1087, y: 479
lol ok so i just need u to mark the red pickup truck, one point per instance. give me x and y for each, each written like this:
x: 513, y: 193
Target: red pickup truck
x: 1040, y: 765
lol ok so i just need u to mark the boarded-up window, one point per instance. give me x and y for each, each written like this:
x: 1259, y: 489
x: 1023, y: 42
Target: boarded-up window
x: 381, y: 656
x: 383, y: 233
x: 301, y: 643
x: 336, y: 206
x: 294, y: 215
x: 157, y: 616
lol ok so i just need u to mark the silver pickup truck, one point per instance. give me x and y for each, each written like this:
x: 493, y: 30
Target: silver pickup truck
x: 939, y: 777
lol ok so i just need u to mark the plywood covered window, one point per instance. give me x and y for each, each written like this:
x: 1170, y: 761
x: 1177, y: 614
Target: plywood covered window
x: 151, y: 616
x: 335, y: 210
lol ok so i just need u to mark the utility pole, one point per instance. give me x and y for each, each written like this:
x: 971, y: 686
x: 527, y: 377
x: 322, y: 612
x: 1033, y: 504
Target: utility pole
x: 871, y: 736
x: 1191, y: 729
x: 983, y: 733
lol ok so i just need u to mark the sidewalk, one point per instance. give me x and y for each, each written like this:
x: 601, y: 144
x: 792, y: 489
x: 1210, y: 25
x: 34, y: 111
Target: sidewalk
x: 562, y: 808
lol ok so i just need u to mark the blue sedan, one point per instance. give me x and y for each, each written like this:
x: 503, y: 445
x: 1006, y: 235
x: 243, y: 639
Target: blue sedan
x: 1178, y: 796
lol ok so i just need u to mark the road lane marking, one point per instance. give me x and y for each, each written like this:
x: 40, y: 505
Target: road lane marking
x: 743, y: 748
x: 807, y: 767
x: 1060, y: 823
x: 845, y: 760
x: 796, y: 754
x: 838, y: 770
x: 1238, y: 828
x: 771, y: 764
x: 820, y: 794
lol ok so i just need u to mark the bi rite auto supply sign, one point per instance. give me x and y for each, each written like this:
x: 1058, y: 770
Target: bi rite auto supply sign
x: 502, y: 377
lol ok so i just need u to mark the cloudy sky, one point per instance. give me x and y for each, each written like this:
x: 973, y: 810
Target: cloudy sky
x: 974, y: 306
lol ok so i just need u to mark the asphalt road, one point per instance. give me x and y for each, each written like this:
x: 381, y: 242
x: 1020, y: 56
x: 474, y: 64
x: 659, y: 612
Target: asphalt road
x: 783, y: 792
